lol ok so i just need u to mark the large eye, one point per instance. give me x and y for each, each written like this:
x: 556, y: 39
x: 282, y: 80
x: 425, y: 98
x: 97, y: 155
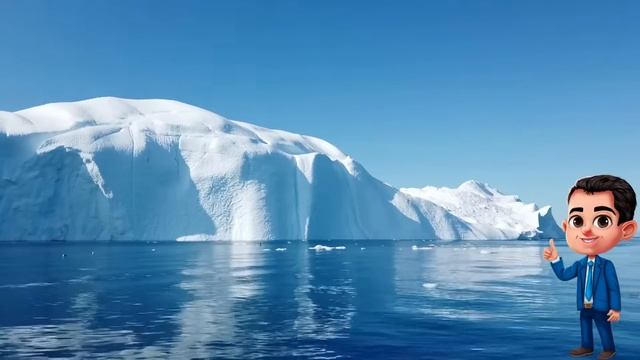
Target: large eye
x: 576, y: 221
x: 602, y: 221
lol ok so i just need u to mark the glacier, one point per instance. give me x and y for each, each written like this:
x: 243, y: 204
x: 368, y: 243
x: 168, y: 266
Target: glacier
x: 119, y: 169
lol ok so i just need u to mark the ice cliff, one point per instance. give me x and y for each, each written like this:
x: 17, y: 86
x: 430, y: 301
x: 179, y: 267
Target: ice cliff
x: 117, y: 169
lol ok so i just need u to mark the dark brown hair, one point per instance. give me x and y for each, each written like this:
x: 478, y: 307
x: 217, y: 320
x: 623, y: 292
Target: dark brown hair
x: 624, y: 198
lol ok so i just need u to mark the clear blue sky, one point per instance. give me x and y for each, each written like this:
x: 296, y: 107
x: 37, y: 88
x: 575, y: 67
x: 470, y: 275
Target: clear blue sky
x: 524, y: 95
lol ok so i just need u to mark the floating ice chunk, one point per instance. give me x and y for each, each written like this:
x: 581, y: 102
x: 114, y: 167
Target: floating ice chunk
x: 429, y: 285
x: 326, y: 248
x: 281, y: 249
x: 415, y: 247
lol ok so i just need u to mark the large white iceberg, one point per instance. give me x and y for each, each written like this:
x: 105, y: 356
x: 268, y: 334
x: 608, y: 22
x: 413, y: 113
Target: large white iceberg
x: 116, y: 169
x: 493, y: 215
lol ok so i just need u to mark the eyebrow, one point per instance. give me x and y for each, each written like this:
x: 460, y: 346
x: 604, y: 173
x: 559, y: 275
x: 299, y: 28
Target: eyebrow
x: 577, y: 209
x: 603, y: 208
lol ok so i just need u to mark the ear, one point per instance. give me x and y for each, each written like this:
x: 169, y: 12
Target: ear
x: 629, y: 229
x: 564, y: 225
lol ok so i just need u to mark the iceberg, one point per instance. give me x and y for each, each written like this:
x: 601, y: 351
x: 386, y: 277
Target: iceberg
x: 118, y: 169
x: 493, y: 215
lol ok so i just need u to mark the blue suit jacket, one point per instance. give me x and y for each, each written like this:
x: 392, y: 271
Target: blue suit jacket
x: 606, y: 290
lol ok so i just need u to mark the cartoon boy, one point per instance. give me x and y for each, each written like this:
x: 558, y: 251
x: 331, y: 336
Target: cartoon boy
x: 600, y: 216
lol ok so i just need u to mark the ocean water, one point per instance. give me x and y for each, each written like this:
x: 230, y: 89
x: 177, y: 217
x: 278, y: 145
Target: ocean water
x: 288, y: 300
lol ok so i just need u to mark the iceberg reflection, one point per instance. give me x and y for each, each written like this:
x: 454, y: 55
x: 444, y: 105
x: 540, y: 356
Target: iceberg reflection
x: 462, y: 280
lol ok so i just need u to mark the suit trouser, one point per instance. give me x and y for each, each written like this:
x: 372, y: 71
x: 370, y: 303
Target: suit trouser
x: 587, y: 318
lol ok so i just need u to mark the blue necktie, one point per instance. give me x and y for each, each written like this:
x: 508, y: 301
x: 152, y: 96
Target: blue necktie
x: 588, y: 292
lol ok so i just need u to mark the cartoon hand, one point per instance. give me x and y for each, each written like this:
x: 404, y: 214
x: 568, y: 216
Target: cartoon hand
x: 614, y: 316
x: 550, y: 253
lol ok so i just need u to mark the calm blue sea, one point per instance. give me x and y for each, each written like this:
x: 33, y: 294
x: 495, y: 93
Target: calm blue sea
x: 283, y: 300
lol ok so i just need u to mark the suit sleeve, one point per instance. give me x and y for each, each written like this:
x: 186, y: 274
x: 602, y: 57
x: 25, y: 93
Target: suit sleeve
x: 613, y: 286
x: 565, y: 274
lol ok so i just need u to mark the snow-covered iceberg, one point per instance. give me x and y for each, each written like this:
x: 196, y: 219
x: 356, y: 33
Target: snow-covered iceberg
x: 116, y: 169
x: 492, y: 215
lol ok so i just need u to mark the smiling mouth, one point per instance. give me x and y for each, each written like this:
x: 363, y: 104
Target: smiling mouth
x: 588, y: 240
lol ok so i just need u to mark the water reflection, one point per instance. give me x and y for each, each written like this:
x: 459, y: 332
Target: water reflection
x: 75, y: 338
x: 245, y: 300
x: 466, y: 281
x: 213, y: 284
x: 93, y: 309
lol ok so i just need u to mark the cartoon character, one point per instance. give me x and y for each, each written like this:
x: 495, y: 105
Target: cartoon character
x: 600, y: 216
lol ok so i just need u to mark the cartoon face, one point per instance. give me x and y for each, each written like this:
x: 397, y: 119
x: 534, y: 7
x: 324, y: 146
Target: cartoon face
x: 592, y: 224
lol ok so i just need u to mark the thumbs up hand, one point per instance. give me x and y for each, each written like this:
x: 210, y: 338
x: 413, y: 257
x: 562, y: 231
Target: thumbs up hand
x: 550, y: 253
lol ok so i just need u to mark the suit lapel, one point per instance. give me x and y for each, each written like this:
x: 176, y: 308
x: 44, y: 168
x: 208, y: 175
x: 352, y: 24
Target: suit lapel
x: 581, y: 274
x: 596, y: 273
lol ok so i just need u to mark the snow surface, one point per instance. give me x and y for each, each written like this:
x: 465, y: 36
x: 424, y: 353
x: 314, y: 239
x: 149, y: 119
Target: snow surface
x: 492, y: 214
x: 117, y: 169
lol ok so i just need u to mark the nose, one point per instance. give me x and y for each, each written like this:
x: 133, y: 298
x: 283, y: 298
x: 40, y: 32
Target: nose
x: 587, y: 230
